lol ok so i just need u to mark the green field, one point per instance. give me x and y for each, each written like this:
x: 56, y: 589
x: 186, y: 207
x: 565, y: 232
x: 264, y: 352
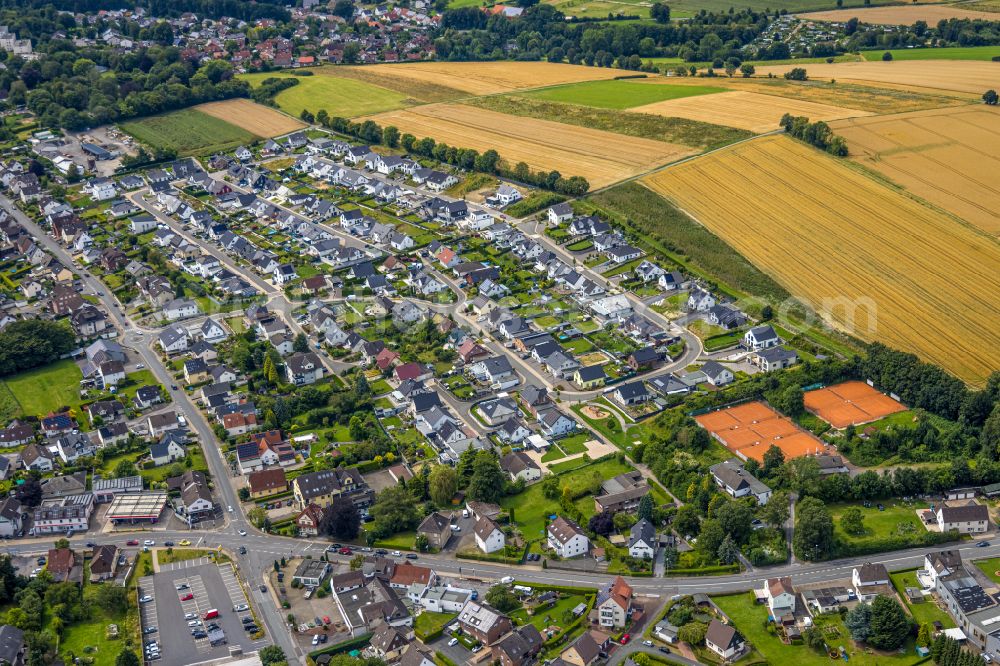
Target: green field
x: 339, y: 96
x: 45, y: 390
x: 543, y: 619
x: 749, y: 619
x: 618, y: 94
x: 926, y: 612
x: 879, y: 524
x: 683, y: 8
x: 991, y: 568
x: 189, y: 132
x: 531, y: 507
x: 600, y: 8
x: 944, y: 53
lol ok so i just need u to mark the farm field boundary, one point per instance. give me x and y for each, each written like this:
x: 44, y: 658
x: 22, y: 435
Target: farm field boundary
x: 873, y: 261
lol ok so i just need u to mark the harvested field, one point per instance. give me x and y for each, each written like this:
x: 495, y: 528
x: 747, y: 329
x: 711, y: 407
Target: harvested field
x: 745, y: 110
x: 484, y: 78
x: 750, y: 429
x: 873, y: 261
x: 600, y: 157
x: 684, y: 131
x: 844, y: 95
x: 968, y: 76
x: 899, y: 15
x: 412, y: 89
x: 950, y: 157
x: 254, y: 118
x: 850, y: 403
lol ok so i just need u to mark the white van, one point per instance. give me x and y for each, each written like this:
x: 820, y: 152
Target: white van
x: 506, y: 580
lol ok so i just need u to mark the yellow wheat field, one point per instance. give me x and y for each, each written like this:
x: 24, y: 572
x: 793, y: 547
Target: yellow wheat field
x: 950, y: 157
x: 484, y: 78
x: 254, y: 118
x: 900, y: 15
x: 967, y: 76
x: 915, y: 278
x: 600, y: 157
x: 746, y: 110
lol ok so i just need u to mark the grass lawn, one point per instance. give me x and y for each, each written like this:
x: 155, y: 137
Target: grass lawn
x: 548, y: 617
x: 189, y: 132
x: 580, y: 245
x: 749, y: 620
x: 618, y: 94
x: 87, y: 639
x: 878, y: 524
x: 944, y: 53
x: 181, y: 554
x: 339, y: 96
x: 990, y: 567
x: 531, y: 508
x: 574, y: 443
x: 579, y: 345
x: 554, y: 453
x: 428, y: 621
x: 399, y: 541
x: 926, y: 612
x: 236, y: 324
x: 46, y: 389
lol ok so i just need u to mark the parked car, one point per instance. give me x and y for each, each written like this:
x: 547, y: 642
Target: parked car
x: 187, y: 597
x: 453, y: 642
x: 145, y: 599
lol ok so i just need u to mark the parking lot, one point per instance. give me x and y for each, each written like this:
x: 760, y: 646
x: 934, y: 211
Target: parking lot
x: 183, y: 593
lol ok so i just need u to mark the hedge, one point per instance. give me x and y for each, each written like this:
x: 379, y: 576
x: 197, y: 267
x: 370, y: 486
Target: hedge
x: 714, y: 570
x: 442, y: 660
x: 558, y: 588
x: 346, y: 646
x: 868, y: 547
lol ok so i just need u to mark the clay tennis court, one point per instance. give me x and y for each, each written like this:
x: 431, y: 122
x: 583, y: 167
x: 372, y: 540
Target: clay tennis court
x: 750, y: 429
x: 850, y: 403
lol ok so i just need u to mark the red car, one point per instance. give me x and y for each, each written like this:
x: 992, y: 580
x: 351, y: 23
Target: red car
x: 344, y: 551
x: 626, y: 638
x: 187, y: 597
x: 132, y: 542
x: 326, y: 619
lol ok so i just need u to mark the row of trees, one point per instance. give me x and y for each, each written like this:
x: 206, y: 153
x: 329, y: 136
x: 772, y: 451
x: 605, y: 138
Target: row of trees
x: 816, y: 134
x: 465, y: 158
x: 237, y: 9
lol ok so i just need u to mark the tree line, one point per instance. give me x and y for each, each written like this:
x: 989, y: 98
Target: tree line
x: 66, y: 87
x: 489, y: 162
x: 816, y: 134
x: 543, y: 32
x: 214, y: 9
x: 32, y: 343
